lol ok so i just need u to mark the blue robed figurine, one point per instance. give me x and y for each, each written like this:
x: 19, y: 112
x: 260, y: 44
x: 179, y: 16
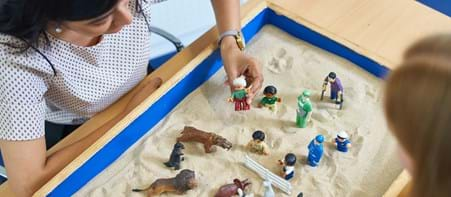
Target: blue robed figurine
x: 315, y: 150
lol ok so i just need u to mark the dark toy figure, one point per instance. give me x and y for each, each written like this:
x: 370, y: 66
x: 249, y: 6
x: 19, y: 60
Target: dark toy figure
x: 176, y: 156
x: 288, y: 166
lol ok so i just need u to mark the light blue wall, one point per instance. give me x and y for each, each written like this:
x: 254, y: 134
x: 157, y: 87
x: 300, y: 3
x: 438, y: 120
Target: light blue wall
x: 186, y: 19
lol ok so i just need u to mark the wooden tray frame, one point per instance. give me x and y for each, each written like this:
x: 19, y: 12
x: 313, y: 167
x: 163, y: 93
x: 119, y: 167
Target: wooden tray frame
x: 370, y: 33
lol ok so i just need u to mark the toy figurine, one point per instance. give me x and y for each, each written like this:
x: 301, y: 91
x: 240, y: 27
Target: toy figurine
x: 239, y: 95
x: 269, y: 192
x: 210, y: 140
x: 236, y: 188
x: 304, y: 111
x: 341, y: 142
x: 336, y: 89
x: 270, y: 98
x: 288, y: 166
x: 176, y: 156
x: 315, y: 150
x: 257, y: 144
x: 180, y: 184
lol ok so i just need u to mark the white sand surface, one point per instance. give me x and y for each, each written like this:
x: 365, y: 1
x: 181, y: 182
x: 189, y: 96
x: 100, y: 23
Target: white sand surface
x: 367, y: 170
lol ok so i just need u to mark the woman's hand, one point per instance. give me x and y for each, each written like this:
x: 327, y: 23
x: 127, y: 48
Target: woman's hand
x: 236, y: 63
x: 148, y: 88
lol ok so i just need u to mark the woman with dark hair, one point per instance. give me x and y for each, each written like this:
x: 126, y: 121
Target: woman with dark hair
x: 63, y: 61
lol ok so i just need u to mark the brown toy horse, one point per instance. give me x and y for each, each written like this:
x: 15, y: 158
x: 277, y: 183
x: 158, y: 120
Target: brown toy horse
x: 182, y: 182
x: 230, y: 190
x: 191, y: 134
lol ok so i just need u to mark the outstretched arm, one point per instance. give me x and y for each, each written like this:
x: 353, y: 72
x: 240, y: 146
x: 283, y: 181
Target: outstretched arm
x: 236, y: 63
x: 29, y: 167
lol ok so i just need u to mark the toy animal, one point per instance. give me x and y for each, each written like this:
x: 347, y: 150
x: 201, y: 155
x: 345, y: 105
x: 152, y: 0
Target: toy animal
x: 235, y: 188
x: 176, y: 156
x: 269, y: 192
x: 210, y: 140
x: 180, y: 184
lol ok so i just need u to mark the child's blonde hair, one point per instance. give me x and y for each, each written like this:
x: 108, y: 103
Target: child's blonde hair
x: 418, y: 110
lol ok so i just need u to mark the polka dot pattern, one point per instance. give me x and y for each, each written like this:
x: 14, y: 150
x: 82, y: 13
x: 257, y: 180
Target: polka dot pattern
x: 87, y: 80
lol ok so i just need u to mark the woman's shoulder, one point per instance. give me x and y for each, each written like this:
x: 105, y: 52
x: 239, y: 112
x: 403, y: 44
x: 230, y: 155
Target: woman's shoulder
x: 16, y: 56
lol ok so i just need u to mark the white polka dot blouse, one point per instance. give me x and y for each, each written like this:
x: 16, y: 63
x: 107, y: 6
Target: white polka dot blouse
x: 85, y: 80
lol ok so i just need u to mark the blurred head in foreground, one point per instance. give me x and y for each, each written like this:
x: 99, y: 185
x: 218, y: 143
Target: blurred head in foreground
x: 418, y: 111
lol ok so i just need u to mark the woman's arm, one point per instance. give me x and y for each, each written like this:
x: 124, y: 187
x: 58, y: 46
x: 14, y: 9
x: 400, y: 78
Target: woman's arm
x: 29, y: 168
x: 236, y: 63
x: 227, y: 14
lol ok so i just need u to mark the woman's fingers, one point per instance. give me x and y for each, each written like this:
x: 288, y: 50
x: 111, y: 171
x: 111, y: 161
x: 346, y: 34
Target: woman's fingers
x: 248, y: 67
x: 255, y: 78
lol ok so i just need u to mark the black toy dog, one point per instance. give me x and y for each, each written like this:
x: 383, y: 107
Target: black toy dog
x: 176, y: 156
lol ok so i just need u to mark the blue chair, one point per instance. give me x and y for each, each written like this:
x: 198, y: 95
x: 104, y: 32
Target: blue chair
x: 156, y: 62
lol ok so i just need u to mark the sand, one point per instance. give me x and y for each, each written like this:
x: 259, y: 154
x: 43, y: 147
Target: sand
x: 292, y: 66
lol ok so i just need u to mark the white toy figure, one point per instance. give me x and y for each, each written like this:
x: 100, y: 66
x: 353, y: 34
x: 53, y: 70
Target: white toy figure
x: 239, y: 94
x: 268, y: 189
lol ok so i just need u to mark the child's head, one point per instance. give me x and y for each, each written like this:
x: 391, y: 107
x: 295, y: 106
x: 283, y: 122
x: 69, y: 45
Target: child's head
x: 270, y: 91
x: 418, y: 111
x: 258, y: 135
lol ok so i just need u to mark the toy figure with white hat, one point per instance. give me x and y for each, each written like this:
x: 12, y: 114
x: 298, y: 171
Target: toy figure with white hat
x: 342, y: 141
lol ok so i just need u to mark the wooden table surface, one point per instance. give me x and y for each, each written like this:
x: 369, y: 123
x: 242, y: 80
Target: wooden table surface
x: 379, y: 29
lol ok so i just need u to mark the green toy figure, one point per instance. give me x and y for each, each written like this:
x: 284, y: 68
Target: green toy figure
x: 304, y: 111
x: 270, y: 98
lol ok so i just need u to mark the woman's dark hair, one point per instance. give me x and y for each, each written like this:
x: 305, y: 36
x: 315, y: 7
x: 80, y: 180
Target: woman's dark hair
x: 270, y: 90
x: 258, y: 135
x: 28, y: 19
